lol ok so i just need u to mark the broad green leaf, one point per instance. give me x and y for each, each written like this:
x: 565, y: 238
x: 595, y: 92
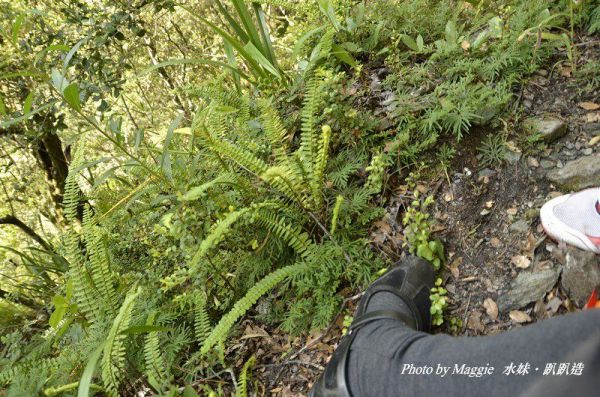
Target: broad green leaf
x: 343, y: 55
x: 420, y: 43
x: 424, y: 252
x: 247, y: 21
x: 450, y: 32
x: 59, y: 80
x: 242, y: 35
x: 60, y: 308
x: 71, y: 94
x: 409, y: 42
x: 264, y: 33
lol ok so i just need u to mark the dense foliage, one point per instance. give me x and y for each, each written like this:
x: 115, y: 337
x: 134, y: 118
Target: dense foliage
x: 165, y: 166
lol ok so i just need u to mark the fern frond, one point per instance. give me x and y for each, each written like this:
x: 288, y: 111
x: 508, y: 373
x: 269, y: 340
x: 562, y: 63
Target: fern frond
x: 202, y: 325
x: 336, y: 213
x: 274, y: 131
x: 99, y: 262
x: 242, y: 385
x: 243, y: 157
x: 72, y: 192
x: 240, y: 308
x: 319, y: 168
x: 113, y: 357
x: 154, y: 362
x: 287, y: 182
x: 293, y: 236
x: 83, y: 287
x: 44, y: 364
x: 307, y: 136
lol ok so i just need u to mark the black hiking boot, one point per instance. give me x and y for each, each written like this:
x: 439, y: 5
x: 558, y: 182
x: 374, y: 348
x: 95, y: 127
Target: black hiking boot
x: 411, y: 280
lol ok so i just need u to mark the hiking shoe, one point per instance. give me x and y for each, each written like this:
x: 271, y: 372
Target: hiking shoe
x: 574, y: 219
x: 403, y: 296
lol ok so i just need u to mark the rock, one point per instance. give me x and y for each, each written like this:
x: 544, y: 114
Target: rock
x: 532, y: 162
x: 549, y: 129
x: 580, y: 274
x: 529, y: 286
x: 485, y: 172
x: 521, y: 226
x: 546, y: 164
x: 587, y: 151
x: 513, y: 157
x: 577, y: 174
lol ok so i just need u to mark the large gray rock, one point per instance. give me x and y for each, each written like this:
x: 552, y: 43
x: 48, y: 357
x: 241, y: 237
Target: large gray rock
x: 529, y: 286
x: 577, y: 174
x: 549, y: 129
x: 580, y: 274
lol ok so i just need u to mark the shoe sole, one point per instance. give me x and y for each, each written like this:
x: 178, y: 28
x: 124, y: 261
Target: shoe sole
x: 559, y: 231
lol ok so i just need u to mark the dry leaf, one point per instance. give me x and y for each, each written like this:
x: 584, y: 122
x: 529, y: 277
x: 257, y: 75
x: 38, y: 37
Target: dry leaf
x: 489, y: 204
x: 474, y: 322
x: 465, y: 45
x: 592, y: 117
x: 512, y: 211
x: 594, y: 140
x: 566, y: 71
x: 519, y: 317
x: 589, y: 105
x: 495, y: 242
x: 521, y: 261
x: 491, y: 308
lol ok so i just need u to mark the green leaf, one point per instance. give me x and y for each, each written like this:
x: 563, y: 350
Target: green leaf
x: 343, y: 55
x: 60, y: 308
x: 28, y: 103
x: 425, y: 252
x: 409, y: 42
x: 71, y: 94
x: 143, y: 329
x: 165, y: 159
x: 261, y: 60
x: 189, y: 392
x: 450, y: 32
x: 195, y: 61
x: 59, y: 80
x: 326, y: 8
x: 2, y: 106
x: 86, y: 378
x: 17, y: 26
x: 420, y: 43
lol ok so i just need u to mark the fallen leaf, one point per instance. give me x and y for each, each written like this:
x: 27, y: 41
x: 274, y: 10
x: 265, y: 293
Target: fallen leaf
x: 422, y: 189
x: 519, y: 317
x: 592, y: 117
x: 565, y: 71
x: 484, y: 212
x: 474, y: 322
x: 589, y: 105
x: 512, y: 211
x: 465, y: 45
x: 489, y: 204
x: 554, y: 304
x: 495, y: 242
x: 521, y: 261
x: 594, y: 140
x: 491, y: 308
x: 254, y: 332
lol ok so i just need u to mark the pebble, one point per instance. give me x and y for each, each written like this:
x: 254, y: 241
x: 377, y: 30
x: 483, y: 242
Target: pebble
x: 588, y: 151
x: 577, y: 174
x: 533, y: 162
x: 546, y: 164
x: 580, y: 274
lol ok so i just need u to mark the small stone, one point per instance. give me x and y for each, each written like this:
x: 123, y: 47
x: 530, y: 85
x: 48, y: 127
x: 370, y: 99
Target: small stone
x: 529, y: 286
x: 513, y: 157
x: 485, y: 172
x: 577, y: 174
x: 580, y: 274
x: 532, y: 162
x: 588, y: 151
x: 547, y: 164
x: 549, y: 129
x: 569, y: 145
x: 521, y: 226
x: 559, y: 164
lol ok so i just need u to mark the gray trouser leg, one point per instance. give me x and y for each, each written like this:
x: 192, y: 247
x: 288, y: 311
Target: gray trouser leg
x: 383, y: 351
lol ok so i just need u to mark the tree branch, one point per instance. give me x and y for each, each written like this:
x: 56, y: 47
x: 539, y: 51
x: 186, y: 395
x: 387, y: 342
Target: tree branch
x: 13, y: 220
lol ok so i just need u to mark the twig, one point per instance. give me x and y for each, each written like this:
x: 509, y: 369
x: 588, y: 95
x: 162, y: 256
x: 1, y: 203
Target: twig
x: 466, y: 313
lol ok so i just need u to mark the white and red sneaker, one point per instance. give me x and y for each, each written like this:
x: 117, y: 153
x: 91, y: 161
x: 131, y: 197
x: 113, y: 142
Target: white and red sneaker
x: 574, y: 219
